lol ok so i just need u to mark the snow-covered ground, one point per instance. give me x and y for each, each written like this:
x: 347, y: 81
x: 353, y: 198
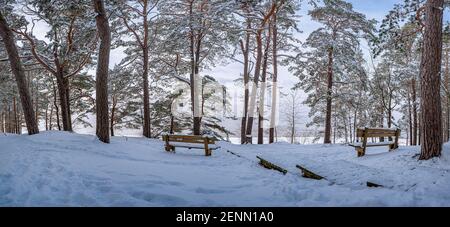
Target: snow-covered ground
x: 66, y: 169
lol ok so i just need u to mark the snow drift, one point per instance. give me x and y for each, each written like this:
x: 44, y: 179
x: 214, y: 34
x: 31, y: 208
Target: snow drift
x: 67, y: 169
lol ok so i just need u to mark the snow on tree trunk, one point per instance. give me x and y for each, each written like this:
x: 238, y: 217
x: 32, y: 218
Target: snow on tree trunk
x: 262, y: 92
x: 430, y: 68
x: 18, y: 71
x: 245, y: 51
x: 259, y: 53
x: 196, y: 102
x: 102, y: 129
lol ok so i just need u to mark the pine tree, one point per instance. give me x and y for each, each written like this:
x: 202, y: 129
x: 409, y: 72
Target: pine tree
x: 200, y: 30
x: 333, y: 47
x: 19, y: 73
x: 73, y: 41
x: 101, y: 80
x: 137, y: 17
x: 430, y: 68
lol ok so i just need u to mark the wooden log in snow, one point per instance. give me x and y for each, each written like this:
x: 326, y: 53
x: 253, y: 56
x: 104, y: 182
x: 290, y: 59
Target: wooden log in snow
x: 373, y: 185
x: 309, y: 174
x: 270, y: 165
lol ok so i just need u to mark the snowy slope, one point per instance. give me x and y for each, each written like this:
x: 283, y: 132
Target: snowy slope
x: 65, y: 169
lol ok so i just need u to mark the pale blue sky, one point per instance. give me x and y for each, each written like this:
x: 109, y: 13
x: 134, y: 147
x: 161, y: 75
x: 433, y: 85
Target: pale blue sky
x: 226, y: 74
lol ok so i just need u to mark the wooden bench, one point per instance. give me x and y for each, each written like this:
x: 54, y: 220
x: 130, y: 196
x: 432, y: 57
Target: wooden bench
x: 364, y: 133
x: 190, y: 142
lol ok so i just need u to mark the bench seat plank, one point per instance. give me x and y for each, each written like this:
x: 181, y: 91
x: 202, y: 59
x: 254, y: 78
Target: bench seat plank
x: 193, y: 145
x: 372, y: 144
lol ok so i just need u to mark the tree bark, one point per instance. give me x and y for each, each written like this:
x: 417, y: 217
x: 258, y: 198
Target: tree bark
x: 327, y: 138
x: 16, y: 120
x: 19, y: 73
x: 55, y: 103
x: 113, y: 112
x: 430, y: 68
x: 101, y: 85
x: 245, y: 50
x: 447, y: 98
x: 415, y: 129
x: 2, y: 125
x: 36, y: 105
x: 381, y: 123
x: 50, y: 120
x: 410, y: 118
x: 273, y: 111
x: 252, y: 103
x: 62, y: 83
x: 147, y: 124
x: 46, y: 116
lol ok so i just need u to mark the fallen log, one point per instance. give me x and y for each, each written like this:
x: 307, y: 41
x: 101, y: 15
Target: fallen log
x: 309, y: 174
x: 269, y: 165
x: 373, y: 185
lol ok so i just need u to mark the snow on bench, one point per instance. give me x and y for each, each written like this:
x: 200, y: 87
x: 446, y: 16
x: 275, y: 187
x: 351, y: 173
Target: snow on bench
x: 190, y: 142
x: 365, y: 133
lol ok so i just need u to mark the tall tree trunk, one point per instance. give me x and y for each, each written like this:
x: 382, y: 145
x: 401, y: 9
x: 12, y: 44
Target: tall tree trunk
x: 113, y: 115
x: 62, y: 83
x: 224, y: 101
x: 46, y: 116
x: 172, y: 124
x: 19, y: 73
x: 2, y: 124
x: 36, y: 105
x: 335, y: 129
x: 194, y: 76
x: 327, y: 138
x: 55, y: 103
x: 293, y: 121
x: 147, y: 124
x: 447, y: 98
x: 50, y: 120
x: 101, y: 83
x: 414, y: 138
x: 9, y: 121
x: 381, y: 121
x: 245, y: 50
x: 252, y: 102
x: 198, y: 95
x: 16, y: 120
x: 430, y: 68
x: 346, y: 128
x: 355, y: 126
x: 273, y: 110
x: 69, y: 112
x: 263, y: 89
x: 410, y: 118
